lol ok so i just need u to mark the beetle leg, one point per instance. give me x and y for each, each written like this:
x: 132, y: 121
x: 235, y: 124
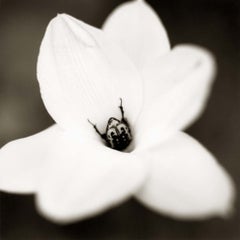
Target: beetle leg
x: 121, y: 108
x: 96, y: 129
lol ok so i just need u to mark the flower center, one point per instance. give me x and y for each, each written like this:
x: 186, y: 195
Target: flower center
x: 118, y: 133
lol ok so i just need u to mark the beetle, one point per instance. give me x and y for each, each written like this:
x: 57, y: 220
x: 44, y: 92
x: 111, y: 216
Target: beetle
x: 118, y: 134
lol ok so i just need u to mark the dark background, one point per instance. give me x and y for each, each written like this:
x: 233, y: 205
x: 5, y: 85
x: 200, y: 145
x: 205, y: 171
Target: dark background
x: 212, y: 24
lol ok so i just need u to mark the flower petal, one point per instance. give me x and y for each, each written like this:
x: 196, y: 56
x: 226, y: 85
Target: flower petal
x: 82, y: 75
x: 186, y: 181
x: 84, y: 179
x: 140, y: 32
x: 176, y: 89
x: 21, y: 161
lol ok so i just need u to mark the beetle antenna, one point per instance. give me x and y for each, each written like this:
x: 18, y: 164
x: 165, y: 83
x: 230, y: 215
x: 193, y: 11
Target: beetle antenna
x: 96, y: 129
x: 121, y: 108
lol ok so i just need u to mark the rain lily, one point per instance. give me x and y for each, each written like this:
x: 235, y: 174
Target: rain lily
x: 83, y: 72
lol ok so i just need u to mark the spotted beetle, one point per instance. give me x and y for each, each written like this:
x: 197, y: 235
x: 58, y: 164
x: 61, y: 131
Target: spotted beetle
x: 118, y: 134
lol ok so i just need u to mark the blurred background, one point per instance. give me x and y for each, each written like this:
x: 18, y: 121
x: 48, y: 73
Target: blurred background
x: 213, y: 24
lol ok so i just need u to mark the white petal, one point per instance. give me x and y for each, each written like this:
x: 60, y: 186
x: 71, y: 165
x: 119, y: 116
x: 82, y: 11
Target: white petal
x: 82, y: 75
x: 140, y: 32
x: 21, y: 161
x: 176, y: 89
x: 84, y: 179
x: 185, y: 181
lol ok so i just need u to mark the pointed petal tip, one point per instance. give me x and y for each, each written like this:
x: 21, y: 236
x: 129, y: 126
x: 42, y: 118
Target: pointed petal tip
x: 65, y: 24
x: 62, y: 15
x: 67, y: 18
x: 59, y: 17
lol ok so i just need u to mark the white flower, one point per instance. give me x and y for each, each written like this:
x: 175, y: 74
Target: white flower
x: 83, y: 72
